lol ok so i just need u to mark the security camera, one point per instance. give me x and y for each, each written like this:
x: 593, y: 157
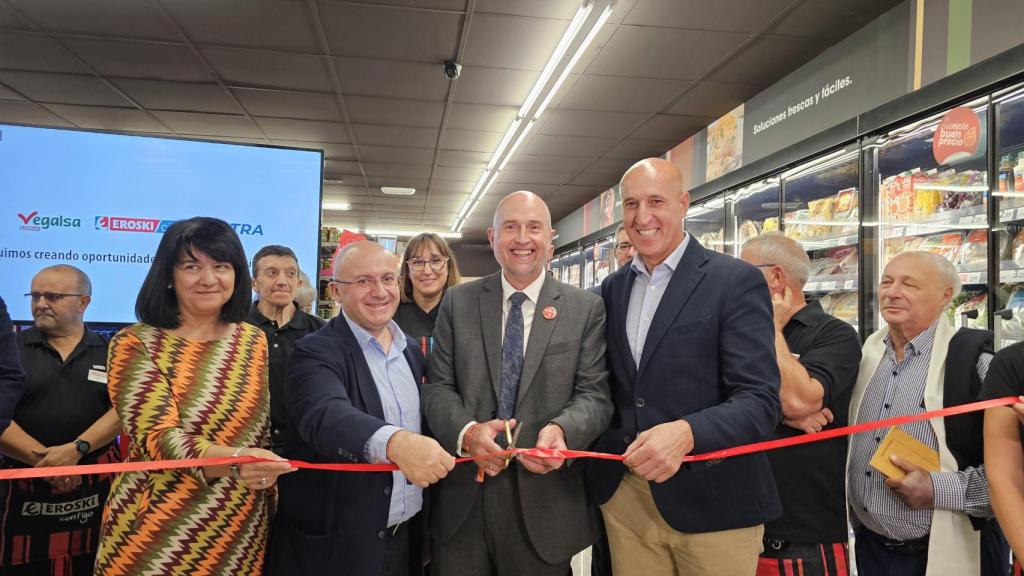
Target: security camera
x: 452, y: 69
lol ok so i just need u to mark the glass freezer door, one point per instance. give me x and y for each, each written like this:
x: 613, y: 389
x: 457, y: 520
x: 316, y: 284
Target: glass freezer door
x: 934, y: 197
x: 1009, y: 198
x: 706, y: 221
x: 755, y: 210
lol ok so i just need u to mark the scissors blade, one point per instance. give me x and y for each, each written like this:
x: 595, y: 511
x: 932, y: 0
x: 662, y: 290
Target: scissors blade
x: 515, y: 436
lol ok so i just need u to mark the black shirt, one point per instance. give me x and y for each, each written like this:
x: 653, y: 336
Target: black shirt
x: 62, y: 398
x: 414, y: 321
x: 12, y: 379
x: 811, y: 477
x: 1005, y: 375
x: 280, y: 342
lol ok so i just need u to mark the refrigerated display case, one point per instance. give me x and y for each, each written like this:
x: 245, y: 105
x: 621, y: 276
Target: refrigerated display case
x: 706, y: 221
x: 555, y: 266
x: 938, y: 206
x: 1008, y: 194
x: 573, y: 267
x: 754, y: 209
x: 589, y: 254
x: 821, y: 201
x: 604, y: 259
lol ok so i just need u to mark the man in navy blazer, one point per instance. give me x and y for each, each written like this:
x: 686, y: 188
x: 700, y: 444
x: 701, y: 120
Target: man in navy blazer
x: 353, y: 396
x: 691, y: 354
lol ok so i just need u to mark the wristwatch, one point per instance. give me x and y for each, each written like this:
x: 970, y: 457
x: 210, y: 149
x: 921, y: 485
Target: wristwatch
x: 83, y: 447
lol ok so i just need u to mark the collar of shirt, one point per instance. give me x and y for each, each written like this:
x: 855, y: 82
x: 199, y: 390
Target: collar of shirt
x: 366, y: 340
x: 917, y: 345
x: 670, y: 263
x: 809, y: 315
x: 34, y: 337
x: 532, y: 291
x: 298, y: 321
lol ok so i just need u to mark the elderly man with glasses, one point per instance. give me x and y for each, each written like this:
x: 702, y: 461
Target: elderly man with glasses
x: 353, y: 396
x: 63, y: 418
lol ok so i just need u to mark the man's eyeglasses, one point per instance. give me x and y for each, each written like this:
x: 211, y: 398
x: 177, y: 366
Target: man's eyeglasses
x: 51, y: 297
x: 623, y: 247
x: 366, y: 283
x: 437, y: 263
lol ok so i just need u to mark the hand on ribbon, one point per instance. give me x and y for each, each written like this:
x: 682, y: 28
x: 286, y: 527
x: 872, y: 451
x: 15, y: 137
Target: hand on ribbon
x: 657, y: 453
x: 420, y: 458
x: 551, y: 437
x: 263, y: 474
x: 489, y: 457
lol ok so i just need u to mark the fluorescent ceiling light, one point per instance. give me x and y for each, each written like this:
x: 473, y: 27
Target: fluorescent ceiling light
x: 336, y: 206
x: 556, y: 56
x: 397, y: 191
x: 512, y: 151
x: 334, y: 181
x: 575, y: 58
x: 409, y: 233
x: 504, y: 142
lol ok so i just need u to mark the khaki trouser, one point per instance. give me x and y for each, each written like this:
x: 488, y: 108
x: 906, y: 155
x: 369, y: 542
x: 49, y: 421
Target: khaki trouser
x: 643, y: 543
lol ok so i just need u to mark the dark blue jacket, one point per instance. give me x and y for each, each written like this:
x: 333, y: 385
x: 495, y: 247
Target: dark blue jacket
x: 709, y: 358
x: 332, y: 522
x: 12, y: 379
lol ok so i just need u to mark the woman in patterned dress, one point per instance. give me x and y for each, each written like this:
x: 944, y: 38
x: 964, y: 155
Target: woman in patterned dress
x: 190, y: 381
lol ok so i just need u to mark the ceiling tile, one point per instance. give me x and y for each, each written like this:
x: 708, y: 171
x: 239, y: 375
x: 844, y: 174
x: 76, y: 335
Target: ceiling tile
x: 603, y: 179
x: 614, y: 165
x: 669, y: 127
x: 9, y: 94
x: 639, y: 149
x: 558, y: 9
x: 270, y: 69
x: 28, y: 113
x: 712, y: 99
x: 522, y: 43
x: 8, y: 19
x: 842, y: 18
x: 31, y: 52
x: 470, y: 140
x: 480, y: 117
x: 663, y: 52
x: 463, y: 158
x: 395, y: 112
x: 451, y: 5
x: 457, y: 173
x: 99, y: 17
x: 397, y: 155
x: 452, y: 186
x: 282, y: 104
x: 209, y: 124
x: 533, y: 176
x: 377, y: 32
x: 115, y: 119
x: 333, y: 191
x: 399, y: 170
x: 548, y: 162
x: 720, y: 15
x: 494, y: 86
x: 303, y: 130
x: 768, y: 59
x: 411, y: 137
x: 141, y: 59
x: 179, y: 96
x: 341, y: 166
x: 63, y: 88
x: 501, y: 189
x: 269, y: 24
x: 389, y: 78
x: 587, y: 123
x: 331, y: 150
x: 621, y: 94
x: 566, y: 145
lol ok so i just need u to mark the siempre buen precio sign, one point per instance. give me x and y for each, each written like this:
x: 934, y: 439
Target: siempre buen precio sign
x: 957, y: 136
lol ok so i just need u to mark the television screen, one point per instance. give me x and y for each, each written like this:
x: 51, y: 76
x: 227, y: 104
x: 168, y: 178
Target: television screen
x: 101, y: 202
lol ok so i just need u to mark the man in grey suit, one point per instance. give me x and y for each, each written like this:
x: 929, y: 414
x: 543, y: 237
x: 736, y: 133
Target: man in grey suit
x: 517, y: 346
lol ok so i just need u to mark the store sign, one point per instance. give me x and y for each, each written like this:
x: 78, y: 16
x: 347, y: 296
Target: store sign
x: 957, y: 137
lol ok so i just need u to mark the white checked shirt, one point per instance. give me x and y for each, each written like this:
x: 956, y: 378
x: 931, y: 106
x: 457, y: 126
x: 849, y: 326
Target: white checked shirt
x: 897, y: 389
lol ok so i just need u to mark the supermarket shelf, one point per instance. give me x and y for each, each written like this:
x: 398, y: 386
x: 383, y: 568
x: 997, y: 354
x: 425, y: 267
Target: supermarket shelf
x: 831, y: 283
x: 952, y: 187
x: 1011, y: 214
x: 847, y: 240
x: 972, y: 276
x: 1010, y: 273
x: 963, y: 219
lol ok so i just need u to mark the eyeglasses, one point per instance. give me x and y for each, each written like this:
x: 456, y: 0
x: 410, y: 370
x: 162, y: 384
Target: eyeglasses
x: 437, y: 263
x: 366, y: 283
x: 51, y: 297
x: 623, y: 247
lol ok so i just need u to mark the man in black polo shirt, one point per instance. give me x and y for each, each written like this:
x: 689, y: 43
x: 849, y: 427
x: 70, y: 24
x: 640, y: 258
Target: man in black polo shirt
x: 818, y: 357
x: 63, y: 418
x: 275, y: 279
x: 12, y: 378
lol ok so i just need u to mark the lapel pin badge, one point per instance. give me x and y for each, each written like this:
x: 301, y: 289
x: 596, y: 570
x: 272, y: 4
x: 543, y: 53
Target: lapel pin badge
x: 550, y: 313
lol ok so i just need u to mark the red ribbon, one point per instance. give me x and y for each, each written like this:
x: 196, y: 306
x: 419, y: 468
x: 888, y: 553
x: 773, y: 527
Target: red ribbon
x: 145, y: 466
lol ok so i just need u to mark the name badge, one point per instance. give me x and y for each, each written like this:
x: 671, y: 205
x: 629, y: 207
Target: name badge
x: 98, y: 376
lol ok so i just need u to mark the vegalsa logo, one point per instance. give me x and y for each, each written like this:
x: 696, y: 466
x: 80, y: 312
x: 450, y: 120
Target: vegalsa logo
x: 35, y: 222
x: 156, y: 225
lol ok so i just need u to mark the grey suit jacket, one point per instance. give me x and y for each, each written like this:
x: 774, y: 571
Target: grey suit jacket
x: 564, y: 380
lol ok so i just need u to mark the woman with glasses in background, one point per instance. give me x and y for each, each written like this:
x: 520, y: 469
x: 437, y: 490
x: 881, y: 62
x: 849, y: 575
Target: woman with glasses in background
x: 428, y: 269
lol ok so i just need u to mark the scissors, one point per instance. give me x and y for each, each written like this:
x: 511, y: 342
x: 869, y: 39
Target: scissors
x: 511, y: 437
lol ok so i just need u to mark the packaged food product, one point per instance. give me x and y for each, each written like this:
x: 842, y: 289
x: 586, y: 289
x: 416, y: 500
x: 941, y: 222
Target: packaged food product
x: 973, y: 301
x: 1014, y: 327
x: 820, y: 210
x: 947, y: 244
x: 974, y: 253
x: 793, y: 229
x: 771, y: 224
x: 846, y: 211
x: 845, y: 307
x: 846, y: 259
x: 749, y: 229
x: 1018, y: 248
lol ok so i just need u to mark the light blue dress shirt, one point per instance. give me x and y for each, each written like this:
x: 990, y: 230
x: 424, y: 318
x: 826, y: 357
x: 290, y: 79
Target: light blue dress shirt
x: 400, y: 399
x: 648, y: 288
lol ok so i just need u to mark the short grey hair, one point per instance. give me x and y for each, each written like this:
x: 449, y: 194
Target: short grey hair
x: 81, y: 278
x: 775, y: 248
x: 305, y: 295
x: 943, y: 267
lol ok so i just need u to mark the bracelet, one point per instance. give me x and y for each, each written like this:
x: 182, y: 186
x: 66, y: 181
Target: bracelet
x: 469, y: 436
x: 235, y: 471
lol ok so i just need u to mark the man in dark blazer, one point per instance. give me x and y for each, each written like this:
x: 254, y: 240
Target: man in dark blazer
x: 692, y: 361
x: 517, y: 347
x: 12, y: 378
x: 353, y: 396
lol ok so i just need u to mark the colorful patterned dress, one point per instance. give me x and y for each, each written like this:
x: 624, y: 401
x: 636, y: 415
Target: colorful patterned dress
x: 176, y: 397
